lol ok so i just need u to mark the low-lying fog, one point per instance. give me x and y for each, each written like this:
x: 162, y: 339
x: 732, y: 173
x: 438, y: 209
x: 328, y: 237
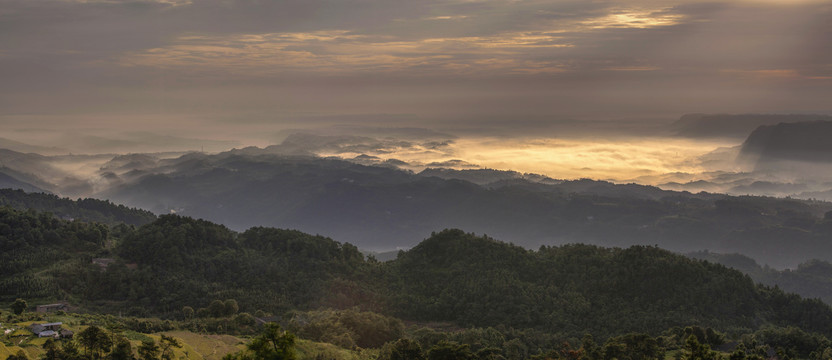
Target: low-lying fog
x: 671, y: 155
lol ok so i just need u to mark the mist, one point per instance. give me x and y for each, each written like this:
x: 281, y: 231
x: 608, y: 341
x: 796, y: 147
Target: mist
x: 649, y: 152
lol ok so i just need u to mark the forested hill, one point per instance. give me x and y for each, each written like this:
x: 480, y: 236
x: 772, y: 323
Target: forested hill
x: 480, y: 281
x: 811, y: 279
x: 381, y: 209
x: 101, y: 211
x: 469, y: 280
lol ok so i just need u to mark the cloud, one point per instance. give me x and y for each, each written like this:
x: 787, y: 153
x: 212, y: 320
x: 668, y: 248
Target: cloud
x: 495, y: 38
x: 465, y: 65
x: 635, y: 18
x: 342, y: 52
x: 447, y: 17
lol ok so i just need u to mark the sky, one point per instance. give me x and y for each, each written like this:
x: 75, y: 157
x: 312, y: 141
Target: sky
x: 241, y: 72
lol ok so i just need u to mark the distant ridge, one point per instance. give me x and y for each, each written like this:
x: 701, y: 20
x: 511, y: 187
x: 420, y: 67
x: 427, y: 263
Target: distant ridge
x: 486, y: 176
x: 735, y: 126
x: 811, y: 279
x: 101, y: 211
x: 10, y: 182
x: 380, y: 209
x: 29, y: 148
x: 802, y: 141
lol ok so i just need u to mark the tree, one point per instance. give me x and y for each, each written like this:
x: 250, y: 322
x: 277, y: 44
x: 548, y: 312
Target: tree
x: 53, y: 351
x: 517, y: 350
x: 446, y: 350
x: 404, y: 349
x: 167, y: 344
x: 272, y: 344
x: 489, y: 353
x: 202, y: 313
x: 697, y: 351
x: 148, y: 350
x: 19, y: 356
x: 95, y: 341
x: 614, y: 350
x: 123, y: 350
x: 591, y: 351
x: 70, y: 351
x: 637, y: 346
x: 567, y: 353
x: 216, y: 308
x: 19, y: 306
x: 244, y: 319
x: 738, y: 354
x: 231, y: 307
x: 188, y: 312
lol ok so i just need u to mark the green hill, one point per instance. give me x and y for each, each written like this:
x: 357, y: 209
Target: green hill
x: 159, y: 268
x: 101, y: 211
x: 478, y: 281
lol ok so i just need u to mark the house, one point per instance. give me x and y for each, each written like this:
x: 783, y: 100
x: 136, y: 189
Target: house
x: 66, y: 334
x: 47, y: 333
x: 55, y: 326
x: 51, y: 307
x: 46, y: 330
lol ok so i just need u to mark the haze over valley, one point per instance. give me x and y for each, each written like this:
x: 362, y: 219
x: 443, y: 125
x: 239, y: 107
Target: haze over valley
x: 672, y: 156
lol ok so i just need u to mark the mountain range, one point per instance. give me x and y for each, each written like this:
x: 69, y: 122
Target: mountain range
x: 379, y: 208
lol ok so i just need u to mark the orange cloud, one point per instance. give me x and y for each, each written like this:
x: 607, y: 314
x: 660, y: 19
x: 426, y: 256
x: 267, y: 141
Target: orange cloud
x: 635, y: 18
x: 340, y: 51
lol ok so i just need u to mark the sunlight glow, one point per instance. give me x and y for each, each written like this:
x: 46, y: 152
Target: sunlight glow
x: 635, y: 18
x: 598, y: 158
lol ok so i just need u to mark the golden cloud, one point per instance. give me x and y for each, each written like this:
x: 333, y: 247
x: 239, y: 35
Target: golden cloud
x: 635, y: 18
x: 341, y: 51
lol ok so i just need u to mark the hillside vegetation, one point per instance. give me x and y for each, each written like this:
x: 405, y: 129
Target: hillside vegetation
x: 812, y: 279
x: 101, y: 211
x: 196, y: 290
x: 469, y: 280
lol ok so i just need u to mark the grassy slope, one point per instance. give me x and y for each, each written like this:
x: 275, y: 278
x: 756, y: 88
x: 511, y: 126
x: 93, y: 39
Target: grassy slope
x: 195, y: 346
x: 203, y: 346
